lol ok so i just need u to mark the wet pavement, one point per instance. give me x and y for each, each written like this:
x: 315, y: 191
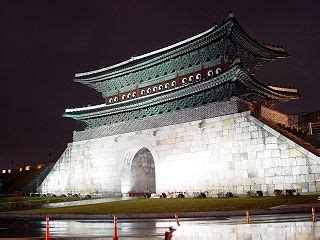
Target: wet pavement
x: 84, y: 202
x: 284, y: 226
x: 17, y: 206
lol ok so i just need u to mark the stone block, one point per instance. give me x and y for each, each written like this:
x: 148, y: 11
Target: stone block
x: 310, y: 178
x: 253, y: 128
x: 314, y: 169
x: 238, y: 130
x: 254, y: 134
x: 295, y: 153
x: 269, y: 172
x: 266, y: 163
x: 301, y: 178
x: 271, y: 140
x: 260, y: 154
x: 267, y: 154
x: 304, y: 187
x: 245, y: 135
x: 275, y: 153
x: 286, y: 170
x: 252, y: 173
x: 278, y: 171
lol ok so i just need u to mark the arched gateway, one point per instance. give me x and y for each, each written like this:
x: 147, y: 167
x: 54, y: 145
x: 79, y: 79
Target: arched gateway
x: 138, y: 172
x: 143, y: 179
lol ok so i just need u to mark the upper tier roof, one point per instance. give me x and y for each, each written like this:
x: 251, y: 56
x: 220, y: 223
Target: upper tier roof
x: 229, y: 29
x: 144, y: 56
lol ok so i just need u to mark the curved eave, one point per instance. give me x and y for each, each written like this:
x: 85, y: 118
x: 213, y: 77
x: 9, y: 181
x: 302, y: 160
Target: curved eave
x: 240, y: 36
x: 231, y: 26
x: 268, y: 91
x: 228, y: 76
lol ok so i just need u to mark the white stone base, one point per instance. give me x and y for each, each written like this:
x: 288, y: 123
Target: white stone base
x: 235, y: 153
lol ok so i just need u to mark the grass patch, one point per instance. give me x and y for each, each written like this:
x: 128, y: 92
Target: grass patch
x: 177, y: 205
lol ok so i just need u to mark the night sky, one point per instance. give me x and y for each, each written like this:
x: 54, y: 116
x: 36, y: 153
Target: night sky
x: 44, y: 43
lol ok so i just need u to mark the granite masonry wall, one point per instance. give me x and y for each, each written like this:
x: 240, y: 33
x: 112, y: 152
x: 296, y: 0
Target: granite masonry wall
x: 235, y: 152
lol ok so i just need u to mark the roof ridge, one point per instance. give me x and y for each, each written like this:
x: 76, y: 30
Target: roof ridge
x: 148, y: 54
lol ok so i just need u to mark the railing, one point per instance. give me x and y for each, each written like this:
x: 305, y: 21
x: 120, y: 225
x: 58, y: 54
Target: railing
x: 7, y: 195
x: 314, y: 128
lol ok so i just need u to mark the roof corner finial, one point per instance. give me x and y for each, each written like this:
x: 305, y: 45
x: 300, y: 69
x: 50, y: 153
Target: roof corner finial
x: 236, y: 61
x: 230, y: 14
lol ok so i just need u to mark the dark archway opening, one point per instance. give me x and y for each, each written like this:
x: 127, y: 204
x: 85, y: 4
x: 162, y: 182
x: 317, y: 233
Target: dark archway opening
x: 143, y: 178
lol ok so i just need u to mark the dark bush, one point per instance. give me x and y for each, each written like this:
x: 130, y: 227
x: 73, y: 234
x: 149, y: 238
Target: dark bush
x: 229, y: 195
x: 202, y: 195
x: 251, y: 194
x: 289, y: 192
x: 259, y: 193
x: 180, y: 195
x: 278, y: 192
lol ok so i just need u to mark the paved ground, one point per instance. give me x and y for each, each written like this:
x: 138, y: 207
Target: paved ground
x: 284, y: 226
x: 283, y: 209
x: 84, y: 202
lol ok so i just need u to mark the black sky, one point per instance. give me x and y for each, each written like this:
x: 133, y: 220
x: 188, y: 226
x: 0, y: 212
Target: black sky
x: 44, y: 43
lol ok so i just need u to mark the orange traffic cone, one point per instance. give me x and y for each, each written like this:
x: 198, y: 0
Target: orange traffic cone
x: 177, y: 219
x: 313, y: 214
x: 47, y: 229
x: 248, y: 216
x: 115, y: 230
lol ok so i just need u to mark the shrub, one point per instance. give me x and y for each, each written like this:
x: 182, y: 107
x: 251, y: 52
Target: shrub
x: 163, y: 195
x: 229, y: 195
x: 259, y: 194
x: 202, y: 195
x: 278, y: 192
x: 180, y: 195
x: 289, y: 192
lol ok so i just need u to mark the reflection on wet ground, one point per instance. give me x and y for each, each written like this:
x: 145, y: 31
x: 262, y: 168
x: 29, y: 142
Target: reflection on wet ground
x: 297, y: 226
x: 15, y: 207
x: 84, y: 202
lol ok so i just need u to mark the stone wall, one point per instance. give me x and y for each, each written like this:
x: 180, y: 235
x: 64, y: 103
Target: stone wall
x: 235, y: 152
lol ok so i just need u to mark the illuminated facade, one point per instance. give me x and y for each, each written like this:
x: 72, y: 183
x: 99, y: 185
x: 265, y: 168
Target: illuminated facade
x: 190, y: 117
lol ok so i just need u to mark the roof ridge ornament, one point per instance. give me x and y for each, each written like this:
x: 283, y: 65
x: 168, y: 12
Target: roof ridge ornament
x: 236, y: 61
x: 230, y: 15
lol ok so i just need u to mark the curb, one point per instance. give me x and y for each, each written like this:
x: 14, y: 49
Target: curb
x: 161, y: 215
